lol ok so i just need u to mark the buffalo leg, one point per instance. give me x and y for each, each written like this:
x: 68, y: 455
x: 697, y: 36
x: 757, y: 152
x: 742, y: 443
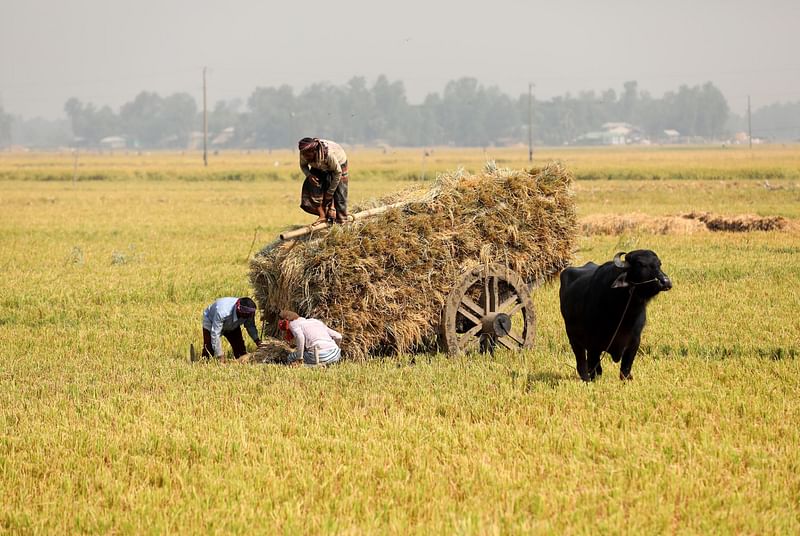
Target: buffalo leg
x: 594, y: 364
x: 627, y: 362
x: 580, y: 360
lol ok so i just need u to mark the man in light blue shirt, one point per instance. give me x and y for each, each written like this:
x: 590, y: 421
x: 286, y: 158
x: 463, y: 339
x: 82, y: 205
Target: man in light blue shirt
x: 224, y: 318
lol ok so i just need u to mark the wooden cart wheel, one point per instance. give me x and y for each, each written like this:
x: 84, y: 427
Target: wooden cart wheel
x: 490, y: 307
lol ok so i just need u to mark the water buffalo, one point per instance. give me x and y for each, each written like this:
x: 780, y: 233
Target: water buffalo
x: 604, y: 308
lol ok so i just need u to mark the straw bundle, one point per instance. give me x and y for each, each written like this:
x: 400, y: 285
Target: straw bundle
x: 271, y: 351
x: 383, y: 281
x: 693, y: 222
x: 613, y: 224
x: 739, y: 223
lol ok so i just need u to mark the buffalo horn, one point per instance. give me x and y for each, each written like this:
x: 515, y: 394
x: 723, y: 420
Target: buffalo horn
x: 618, y: 262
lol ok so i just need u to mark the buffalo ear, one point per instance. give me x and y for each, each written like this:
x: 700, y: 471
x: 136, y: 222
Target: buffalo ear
x: 621, y: 281
x: 619, y: 263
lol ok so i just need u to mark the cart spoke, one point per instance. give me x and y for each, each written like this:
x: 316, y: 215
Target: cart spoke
x: 474, y: 307
x: 468, y: 336
x: 514, y: 310
x: 468, y: 315
x: 494, y: 295
x: 516, y: 337
x: 472, y: 344
x: 471, y: 320
x: 508, y: 344
x: 510, y: 302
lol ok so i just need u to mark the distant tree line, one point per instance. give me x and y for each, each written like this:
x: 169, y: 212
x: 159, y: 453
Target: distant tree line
x: 465, y: 113
x: 148, y: 121
x: 5, y: 127
x: 777, y: 121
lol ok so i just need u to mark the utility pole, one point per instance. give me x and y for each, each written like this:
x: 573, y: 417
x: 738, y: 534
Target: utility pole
x: 749, y: 125
x: 530, y: 122
x: 205, y: 122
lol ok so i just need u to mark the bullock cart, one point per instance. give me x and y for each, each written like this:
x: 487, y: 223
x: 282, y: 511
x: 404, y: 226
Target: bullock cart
x: 489, y: 305
x: 447, y: 269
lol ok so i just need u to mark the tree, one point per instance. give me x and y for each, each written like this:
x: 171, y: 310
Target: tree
x: 358, y: 107
x: 273, y: 118
x: 779, y: 121
x: 424, y: 128
x: 466, y: 113
x: 390, y: 111
x: 224, y: 115
x: 178, y: 119
x: 5, y: 128
x: 715, y: 111
x: 628, y: 102
x: 140, y: 119
x: 38, y: 132
x: 471, y: 115
x: 321, y: 112
x: 88, y: 123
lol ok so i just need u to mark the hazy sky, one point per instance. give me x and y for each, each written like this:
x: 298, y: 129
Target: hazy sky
x: 106, y: 51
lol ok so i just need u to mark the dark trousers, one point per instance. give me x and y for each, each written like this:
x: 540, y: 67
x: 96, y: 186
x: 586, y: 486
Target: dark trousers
x: 312, y: 196
x: 234, y: 337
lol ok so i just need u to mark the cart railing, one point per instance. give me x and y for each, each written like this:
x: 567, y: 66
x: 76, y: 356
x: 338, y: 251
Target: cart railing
x: 297, y: 233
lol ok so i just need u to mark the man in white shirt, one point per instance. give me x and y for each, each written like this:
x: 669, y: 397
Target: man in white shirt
x: 315, y: 342
x: 223, y: 318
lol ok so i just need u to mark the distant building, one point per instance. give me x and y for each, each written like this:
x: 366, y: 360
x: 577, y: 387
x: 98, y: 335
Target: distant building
x: 612, y: 133
x: 195, y: 140
x: 16, y: 149
x: 113, y: 142
x: 671, y: 136
x: 224, y: 137
x: 743, y: 138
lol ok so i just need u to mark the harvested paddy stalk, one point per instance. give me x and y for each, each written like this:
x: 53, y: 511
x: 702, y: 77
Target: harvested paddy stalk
x: 617, y: 224
x: 384, y: 281
x: 272, y: 351
x: 740, y: 223
x: 693, y: 222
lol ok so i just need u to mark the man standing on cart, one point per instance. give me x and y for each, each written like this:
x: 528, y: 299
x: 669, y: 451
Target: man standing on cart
x: 324, y: 165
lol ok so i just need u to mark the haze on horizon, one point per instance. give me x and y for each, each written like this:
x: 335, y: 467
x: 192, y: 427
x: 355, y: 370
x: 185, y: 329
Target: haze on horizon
x: 106, y: 52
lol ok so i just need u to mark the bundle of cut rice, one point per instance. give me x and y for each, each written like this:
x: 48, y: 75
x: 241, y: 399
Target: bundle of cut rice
x: 617, y: 224
x: 272, y: 350
x: 740, y: 223
x: 383, y: 281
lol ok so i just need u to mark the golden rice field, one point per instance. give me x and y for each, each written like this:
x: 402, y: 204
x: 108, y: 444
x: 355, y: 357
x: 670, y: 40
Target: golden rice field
x: 105, y: 426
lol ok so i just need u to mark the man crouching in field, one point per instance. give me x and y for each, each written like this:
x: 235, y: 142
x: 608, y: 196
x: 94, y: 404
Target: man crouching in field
x: 324, y: 193
x: 315, y: 344
x: 223, y: 318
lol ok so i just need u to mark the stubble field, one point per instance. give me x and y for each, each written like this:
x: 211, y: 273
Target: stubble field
x: 105, y: 426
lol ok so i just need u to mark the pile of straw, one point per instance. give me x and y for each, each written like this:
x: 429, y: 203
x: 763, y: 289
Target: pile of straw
x: 740, y: 223
x: 614, y: 224
x: 383, y: 281
x: 271, y: 351
x: 693, y: 222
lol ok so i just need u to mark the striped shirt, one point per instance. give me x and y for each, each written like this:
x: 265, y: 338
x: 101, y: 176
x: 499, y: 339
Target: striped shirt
x: 311, y: 359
